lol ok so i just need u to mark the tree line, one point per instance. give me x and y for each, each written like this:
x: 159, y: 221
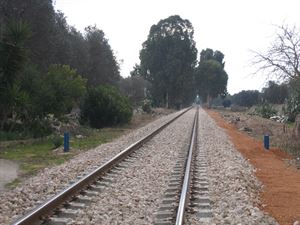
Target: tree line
x: 48, y: 67
x: 273, y: 93
x: 168, y: 61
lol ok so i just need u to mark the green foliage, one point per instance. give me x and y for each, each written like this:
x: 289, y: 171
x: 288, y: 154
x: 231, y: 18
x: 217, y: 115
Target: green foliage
x: 146, y: 106
x: 39, y: 154
x: 39, y: 58
x: 8, y: 136
x: 211, y: 78
x: 292, y: 107
x: 209, y: 54
x: 102, y: 65
x: 226, y: 103
x: 12, y: 60
x: 39, y: 127
x: 12, y: 52
x: 39, y: 15
x: 57, y: 141
x: 167, y: 59
x: 105, y: 106
x: 265, y: 110
x: 275, y: 93
x: 134, y: 88
x: 62, y: 90
x: 246, y: 98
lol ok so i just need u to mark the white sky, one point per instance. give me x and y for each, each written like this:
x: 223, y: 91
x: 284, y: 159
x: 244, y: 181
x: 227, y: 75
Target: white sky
x: 233, y: 26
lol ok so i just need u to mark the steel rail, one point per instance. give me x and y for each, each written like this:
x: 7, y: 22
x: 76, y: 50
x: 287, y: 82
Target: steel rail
x: 187, y: 175
x: 69, y: 193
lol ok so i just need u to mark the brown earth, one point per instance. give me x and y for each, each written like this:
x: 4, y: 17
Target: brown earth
x: 280, y: 196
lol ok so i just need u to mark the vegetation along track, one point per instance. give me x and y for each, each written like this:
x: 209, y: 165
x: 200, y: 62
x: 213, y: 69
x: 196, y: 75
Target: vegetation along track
x: 80, y: 192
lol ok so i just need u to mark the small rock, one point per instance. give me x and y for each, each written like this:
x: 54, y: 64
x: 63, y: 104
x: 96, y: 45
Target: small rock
x: 79, y: 136
x: 246, y: 129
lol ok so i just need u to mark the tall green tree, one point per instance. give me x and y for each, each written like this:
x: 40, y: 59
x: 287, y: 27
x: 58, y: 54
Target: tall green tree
x: 102, y: 65
x: 12, y: 60
x: 40, y: 16
x: 168, y: 58
x: 210, y: 76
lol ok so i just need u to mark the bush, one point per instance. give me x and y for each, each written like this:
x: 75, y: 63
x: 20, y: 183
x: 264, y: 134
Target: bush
x: 265, y: 110
x: 57, y: 141
x: 146, y: 106
x: 246, y: 98
x: 63, y: 88
x: 226, y: 103
x: 105, y: 106
x: 292, y: 106
x: 40, y: 128
x: 8, y: 136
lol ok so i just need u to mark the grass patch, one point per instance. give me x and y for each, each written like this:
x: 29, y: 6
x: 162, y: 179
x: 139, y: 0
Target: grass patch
x: 13, y: 183
x: 96, y: 137
x: 38, y: 155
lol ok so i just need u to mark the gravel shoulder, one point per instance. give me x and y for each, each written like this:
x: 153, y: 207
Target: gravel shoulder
x: 16, y: 202
x: 280, y: 195
x: 233, y: 187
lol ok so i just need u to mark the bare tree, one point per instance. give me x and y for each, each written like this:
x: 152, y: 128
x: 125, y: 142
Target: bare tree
x: 283, y: 56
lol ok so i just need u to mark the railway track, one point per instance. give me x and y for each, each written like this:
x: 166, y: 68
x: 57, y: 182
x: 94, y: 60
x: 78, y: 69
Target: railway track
x: 65, y: 204
x: 188, y: 187
x: 146, y: 187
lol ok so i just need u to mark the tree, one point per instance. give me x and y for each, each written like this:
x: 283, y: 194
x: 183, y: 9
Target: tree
x: 12, y: 60
x: 282, y: 59
x: 63, y: 89
x: 102, y: 64
x: 40, y: 17
x: 246, y: 98
x: 208, y: 54
x: 275, y: 93
x: 134, y: 88
x: 210, y: 76
x: 168, y: 58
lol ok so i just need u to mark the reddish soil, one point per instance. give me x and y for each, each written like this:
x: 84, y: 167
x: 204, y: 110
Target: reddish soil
x: 281, y: 193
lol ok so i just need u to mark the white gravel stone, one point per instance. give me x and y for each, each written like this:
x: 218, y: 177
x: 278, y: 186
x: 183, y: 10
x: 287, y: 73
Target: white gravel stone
x: 233, y: 186
x: 48, y: 182
x: 136, y: 194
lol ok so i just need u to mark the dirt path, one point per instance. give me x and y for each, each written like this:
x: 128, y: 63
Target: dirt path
x: 281, y: 193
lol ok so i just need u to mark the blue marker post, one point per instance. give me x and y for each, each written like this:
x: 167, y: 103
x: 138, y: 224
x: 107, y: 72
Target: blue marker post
x: 266, y: 142
x: 66, y: 142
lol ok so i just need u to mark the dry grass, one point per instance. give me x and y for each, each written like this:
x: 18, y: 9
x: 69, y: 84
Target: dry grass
x: 281, y: 135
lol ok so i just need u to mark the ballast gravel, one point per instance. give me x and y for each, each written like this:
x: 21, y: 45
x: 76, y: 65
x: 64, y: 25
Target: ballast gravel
x: 135, y: 195
x: 50, y: 181
x: 233, y: 187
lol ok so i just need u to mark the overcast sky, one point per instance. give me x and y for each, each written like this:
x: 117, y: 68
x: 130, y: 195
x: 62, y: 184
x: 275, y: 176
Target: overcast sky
x: 233, y: 26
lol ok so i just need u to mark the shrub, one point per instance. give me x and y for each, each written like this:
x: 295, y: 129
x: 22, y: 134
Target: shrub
x: 40, y: 128
x: 146, y: 106
x: 265, y: 110
x: 246, y: 98
x: 292, y: 106
x: 226, y: 103
x: 57, y: 141
x: 62, y: 90
x: 105, y: 106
